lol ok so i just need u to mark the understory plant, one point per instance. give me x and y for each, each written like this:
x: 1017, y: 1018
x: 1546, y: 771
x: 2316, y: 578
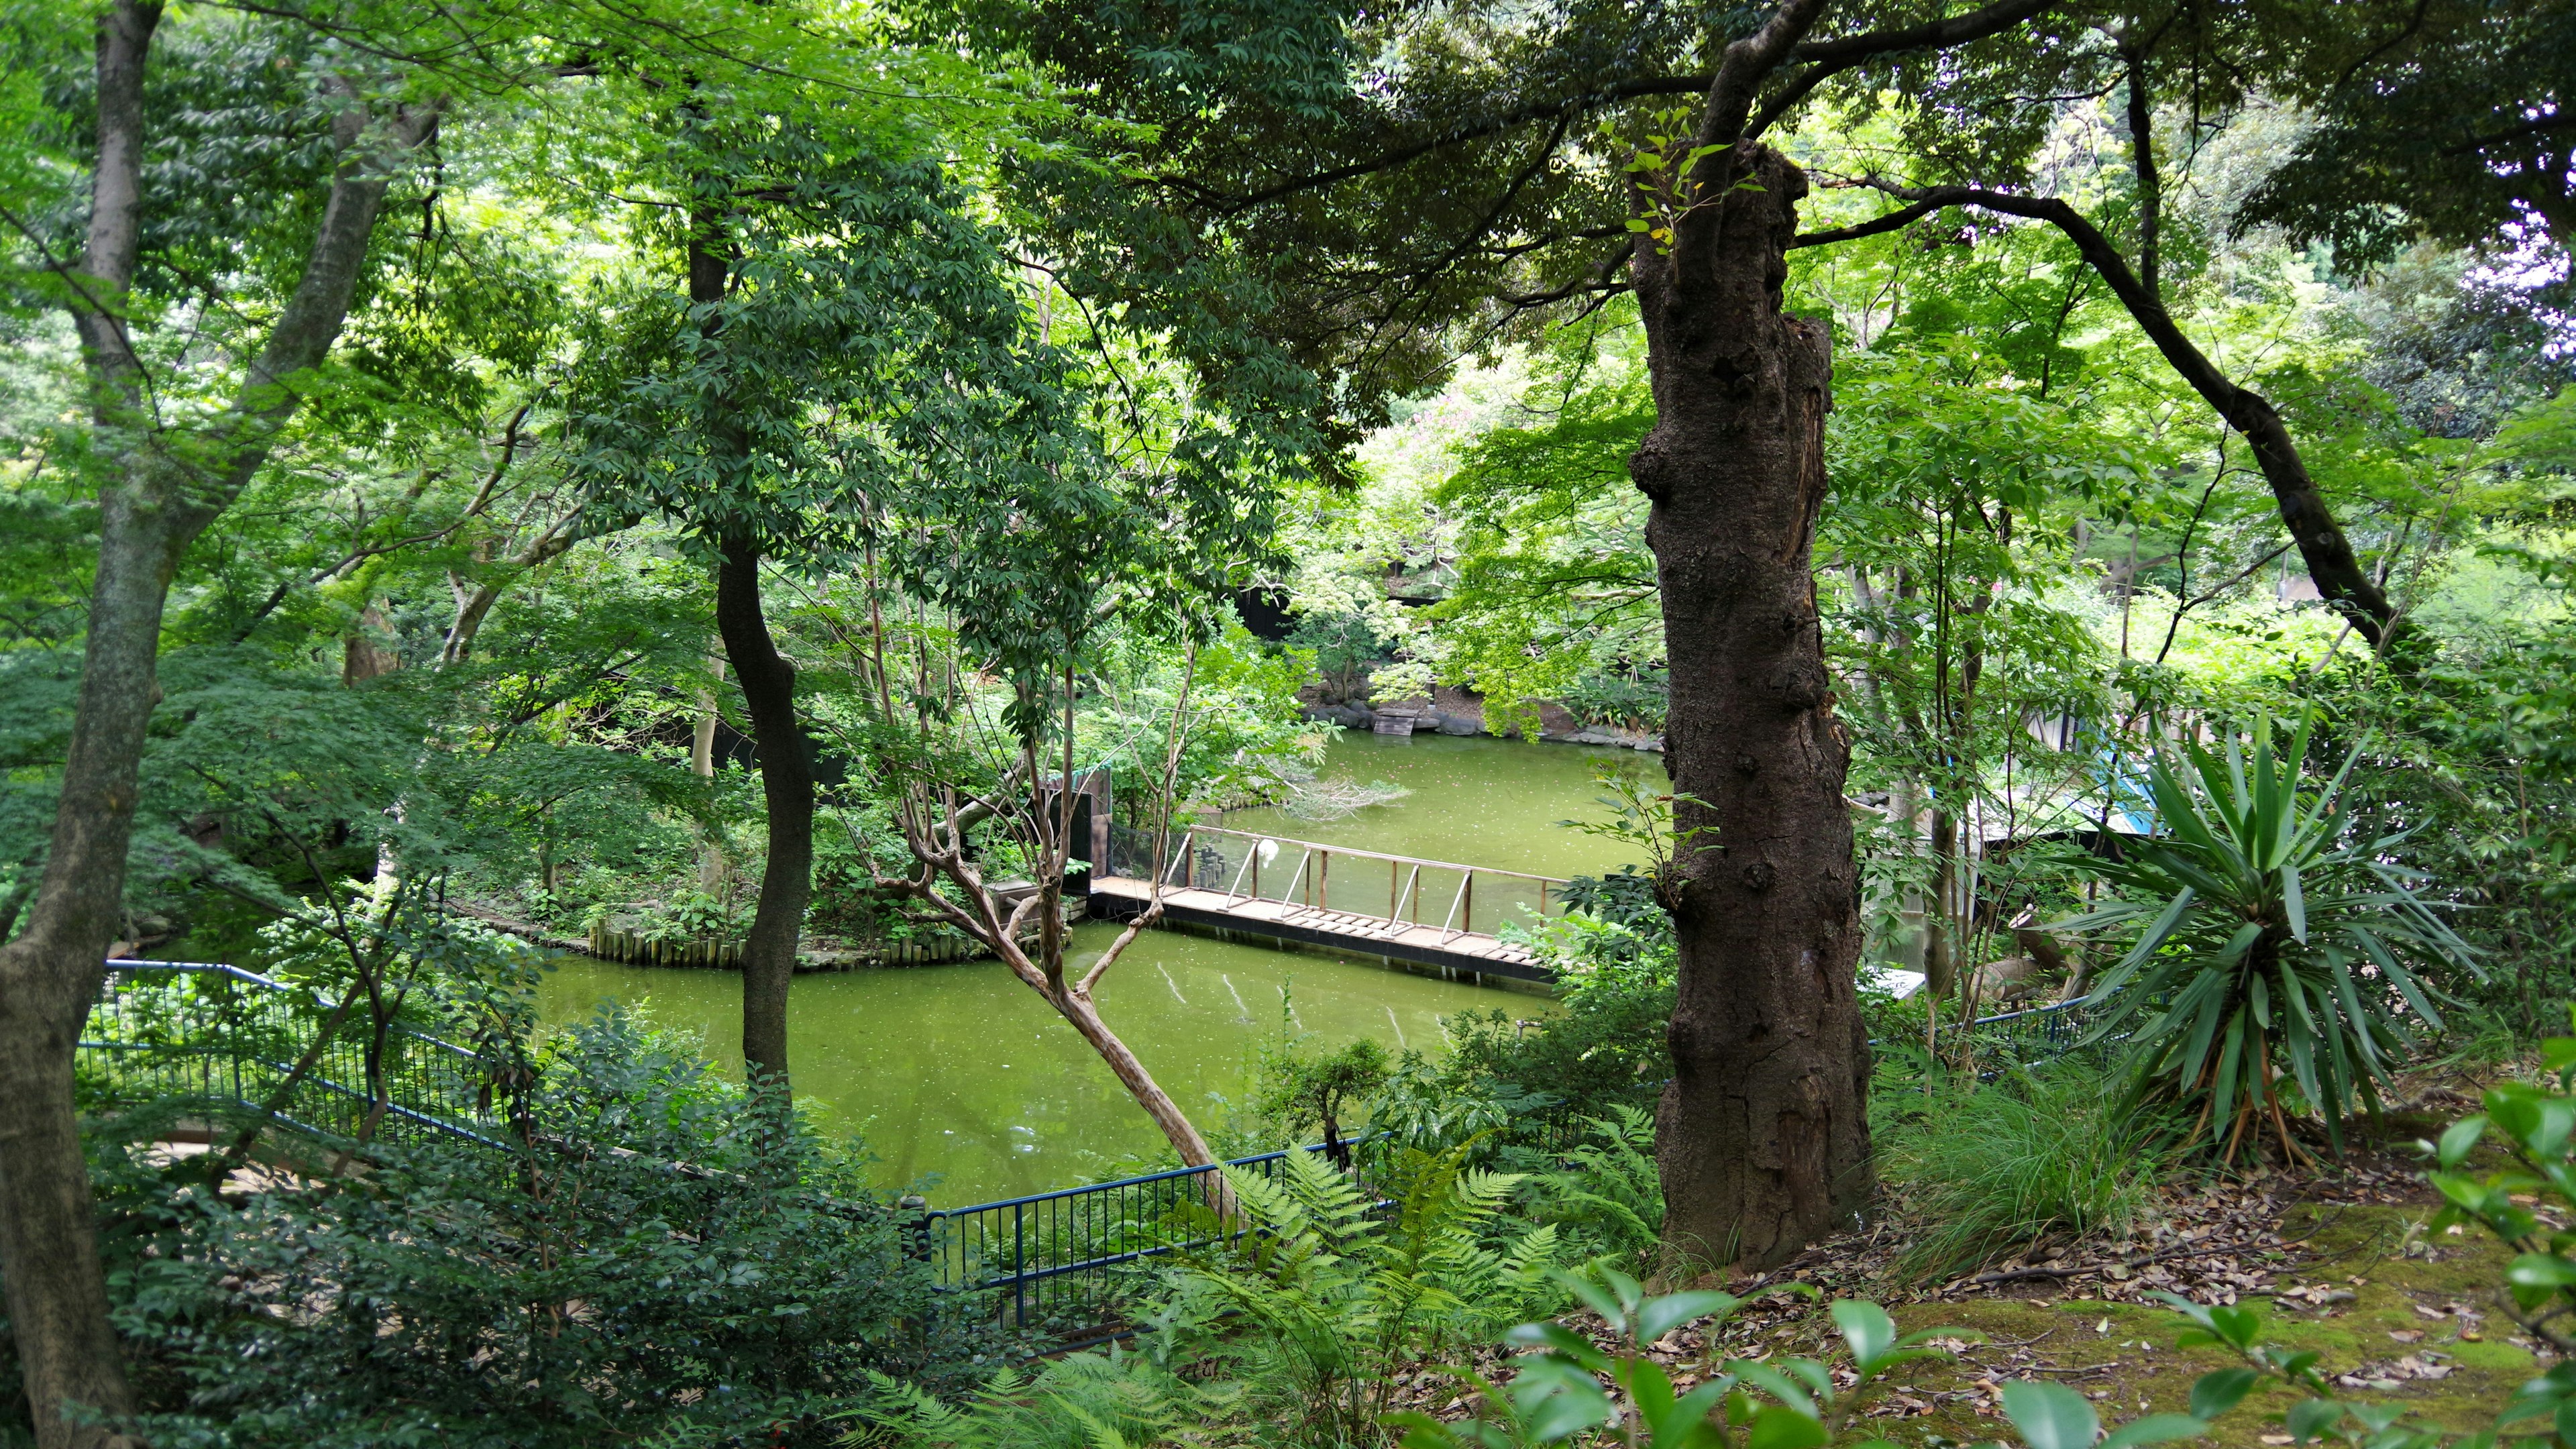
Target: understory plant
x: 1602, y: 1194
x: 1574, y: 1389
x: 2278, y: 955
x: 1080, y: 1401
x: 1996, y: 1166
x: 1329, y: 1295
x: 2535, y: 1128
x: 662, y: 1260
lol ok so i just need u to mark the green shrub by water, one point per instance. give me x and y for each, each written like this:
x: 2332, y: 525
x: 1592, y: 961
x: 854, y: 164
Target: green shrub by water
x: 1990, y: 1168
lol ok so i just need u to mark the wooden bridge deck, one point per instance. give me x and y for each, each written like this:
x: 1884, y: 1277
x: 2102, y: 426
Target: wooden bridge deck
x: 1399, y: 940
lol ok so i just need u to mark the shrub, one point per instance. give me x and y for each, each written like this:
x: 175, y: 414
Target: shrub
x: 1080, y: 1401
x: 1574, y: 1391
x: 665, y: 1261
x: 2275, y: 947
x: 1993, y: 1167
x: 1603, y: 1196
x: 1321, y: 1305
x: 1614, y: 959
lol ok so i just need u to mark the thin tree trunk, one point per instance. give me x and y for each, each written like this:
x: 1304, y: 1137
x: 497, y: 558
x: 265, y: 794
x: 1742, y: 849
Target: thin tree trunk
x: 1762, y: 1138
x: 57, y: 1292
x: 1940, y: 936
x: 787, y: 786
x: 702, y: 763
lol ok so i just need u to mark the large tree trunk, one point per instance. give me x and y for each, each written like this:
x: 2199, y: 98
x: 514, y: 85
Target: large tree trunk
x: 787, y: 786
x: 1762, y: 1139
x: 49, y: 976
x: 157, y: 498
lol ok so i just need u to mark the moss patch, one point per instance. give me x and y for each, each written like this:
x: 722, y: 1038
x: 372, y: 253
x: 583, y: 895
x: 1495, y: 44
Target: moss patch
x: 2398, y: 1319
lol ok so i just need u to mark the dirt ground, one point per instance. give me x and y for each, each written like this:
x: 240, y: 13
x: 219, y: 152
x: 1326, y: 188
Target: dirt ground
x: 2341, y: 1263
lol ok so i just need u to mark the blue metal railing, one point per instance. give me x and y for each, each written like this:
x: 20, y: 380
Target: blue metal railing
x: 1055, y: 1257
x: 193, y: 1031
x: 197, y: 1032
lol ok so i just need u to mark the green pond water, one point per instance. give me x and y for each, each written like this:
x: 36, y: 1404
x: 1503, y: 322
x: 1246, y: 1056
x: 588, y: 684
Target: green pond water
x: 959, y: 1072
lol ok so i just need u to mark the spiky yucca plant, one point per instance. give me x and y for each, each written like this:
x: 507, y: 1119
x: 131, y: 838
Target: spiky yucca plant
x: 2273, y: 946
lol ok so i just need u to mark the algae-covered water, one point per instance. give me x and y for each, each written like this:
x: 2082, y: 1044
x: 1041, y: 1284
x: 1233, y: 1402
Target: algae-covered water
x: 960, y: 1072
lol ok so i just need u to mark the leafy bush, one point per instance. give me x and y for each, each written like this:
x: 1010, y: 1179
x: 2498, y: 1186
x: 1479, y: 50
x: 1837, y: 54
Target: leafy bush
x: 695, y: 916
x: 2536, y: 1129
x: 665, y: 1261
x: 1329, y: 1297
x: 1636, y: 700
x: 1604, y: 1196
x: 1615, y: 972
x: 1992, y: 1168
x: 1558, y: 1396
x: 1299, y: 1092
x: 2275, y: 948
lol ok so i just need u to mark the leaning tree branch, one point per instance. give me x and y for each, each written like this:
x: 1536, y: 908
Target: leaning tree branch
x: 1562, y: 109
x: 1876, y: 226
x: 2322, y: 544
x: 1826, y: 59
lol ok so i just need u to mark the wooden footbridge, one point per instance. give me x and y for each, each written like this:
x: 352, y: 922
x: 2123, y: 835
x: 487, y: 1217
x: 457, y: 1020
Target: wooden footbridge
x: 1419, y: 912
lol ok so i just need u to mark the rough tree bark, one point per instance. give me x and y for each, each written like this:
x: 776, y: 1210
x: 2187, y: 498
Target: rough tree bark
x: 787, y: 787
x: 1762, y: 1138
x: 155, y: 498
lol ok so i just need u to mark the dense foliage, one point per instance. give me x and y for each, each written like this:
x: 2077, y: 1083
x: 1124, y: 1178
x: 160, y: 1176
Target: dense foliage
x: 501, y: 471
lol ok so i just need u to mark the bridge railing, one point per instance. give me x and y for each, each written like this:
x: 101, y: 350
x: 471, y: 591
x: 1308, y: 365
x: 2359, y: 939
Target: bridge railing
x: 1308, y: 876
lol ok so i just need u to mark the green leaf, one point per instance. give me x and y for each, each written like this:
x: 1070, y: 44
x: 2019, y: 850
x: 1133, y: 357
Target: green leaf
x: 1659, y: 1316
x: 1865, y: 1327
x: 2051, y: 1416
x: 2218, y: 1393
x: 2241, y: 1327
x: 1557, y: 1400
x: 1778, y: 1426
x: 2540, y: 1270
x: 2309, y: 1418
x: 2459, y: 1139
x: 2156, y: 1429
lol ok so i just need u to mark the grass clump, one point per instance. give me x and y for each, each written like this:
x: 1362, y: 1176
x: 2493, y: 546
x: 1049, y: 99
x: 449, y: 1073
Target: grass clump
x: 2029, y: 1159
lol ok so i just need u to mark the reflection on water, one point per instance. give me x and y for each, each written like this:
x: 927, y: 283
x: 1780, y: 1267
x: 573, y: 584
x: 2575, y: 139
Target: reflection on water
x: 962, y: 1072
x: 1475, y: 801
x: 960, y: 1069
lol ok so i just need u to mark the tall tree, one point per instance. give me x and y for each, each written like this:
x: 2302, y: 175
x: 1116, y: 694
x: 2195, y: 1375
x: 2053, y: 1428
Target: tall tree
x: 1400, y: 174
x: 839, y: 329
x: 162, y: 477
x: 1413, y: 180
